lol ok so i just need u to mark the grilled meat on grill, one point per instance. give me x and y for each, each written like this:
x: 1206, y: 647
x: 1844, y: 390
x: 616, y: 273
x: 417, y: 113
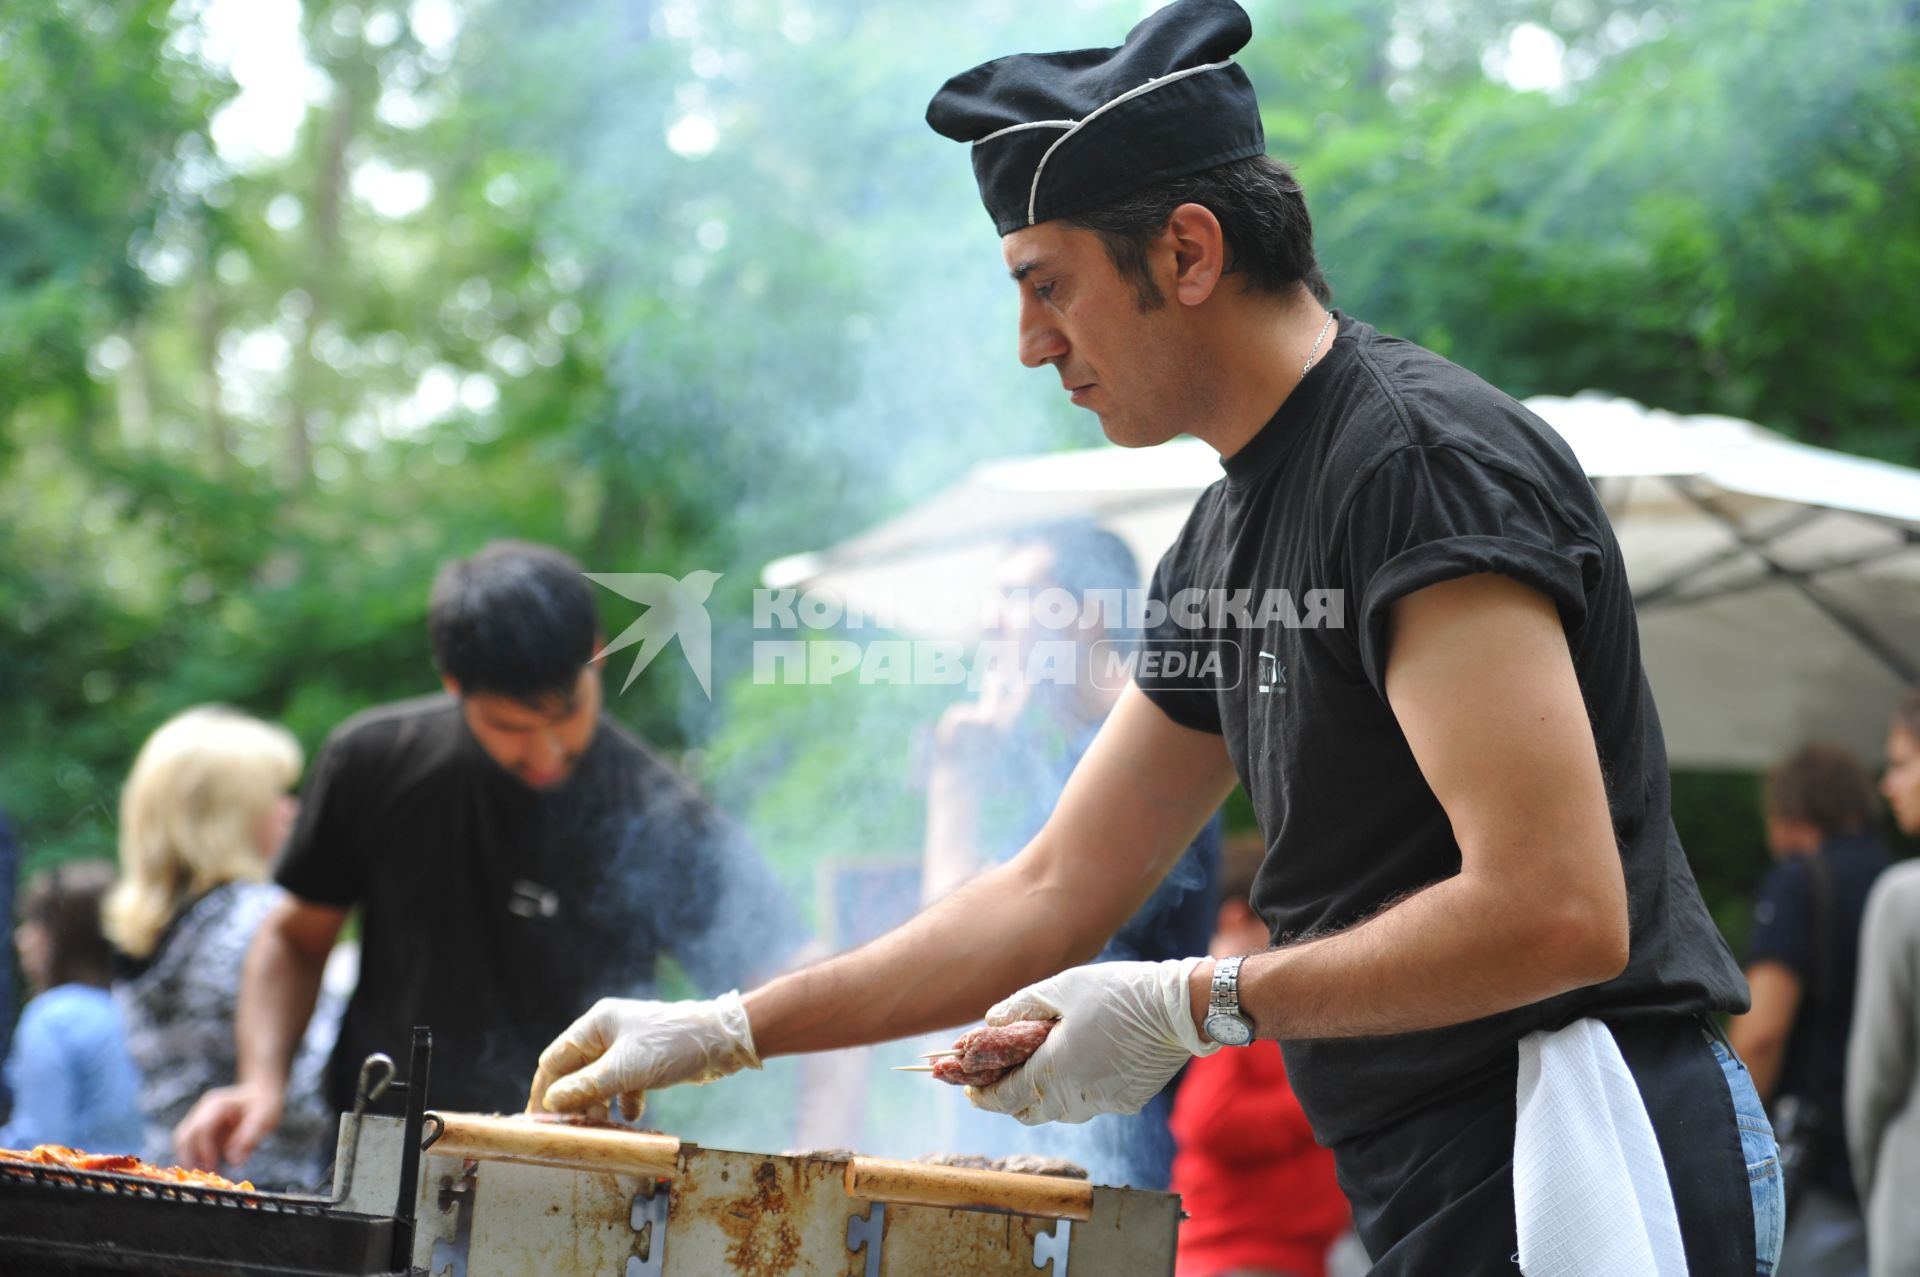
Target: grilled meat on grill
x: 965, y: 1161
x: 1035, y: 1164
x: 120, y: 1164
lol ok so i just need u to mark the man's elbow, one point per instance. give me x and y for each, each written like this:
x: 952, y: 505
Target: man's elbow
x: 1589, y: 942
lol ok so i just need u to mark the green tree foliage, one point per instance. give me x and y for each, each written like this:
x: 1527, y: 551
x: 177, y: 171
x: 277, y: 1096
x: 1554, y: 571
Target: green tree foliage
x: 681, y: 285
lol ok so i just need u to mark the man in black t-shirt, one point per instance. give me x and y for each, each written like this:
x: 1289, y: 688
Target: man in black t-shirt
x: 513, y: 852
x: 1802, y: 965
x: 1401, y: 621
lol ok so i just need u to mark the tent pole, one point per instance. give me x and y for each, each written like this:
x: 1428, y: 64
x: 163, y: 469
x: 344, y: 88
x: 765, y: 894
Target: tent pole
x: 1889, y: 656
x: 1671, y: 583
x: 1674, y: 598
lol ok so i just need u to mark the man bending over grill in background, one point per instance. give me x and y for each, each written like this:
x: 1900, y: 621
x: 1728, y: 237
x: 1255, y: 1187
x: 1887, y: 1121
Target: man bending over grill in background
x: 513, y: 851
x: 1495, y: 979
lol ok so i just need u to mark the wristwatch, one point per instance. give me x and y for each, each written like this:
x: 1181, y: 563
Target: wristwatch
x: 1225, y: 1022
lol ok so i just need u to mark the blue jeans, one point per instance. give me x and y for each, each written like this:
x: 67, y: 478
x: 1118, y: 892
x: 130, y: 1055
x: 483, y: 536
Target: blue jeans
x: 1763, y: 1162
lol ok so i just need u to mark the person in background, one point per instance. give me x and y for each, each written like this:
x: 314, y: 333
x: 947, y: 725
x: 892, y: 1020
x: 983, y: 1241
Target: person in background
x: 1801, y: 964
x: 1260, y: 1193
x: 9, y: 873
x: 512, y: 850
x: 73, y: 1082
x: 996, y: 767
x: 1883, y: 1057
x: 204, y: 809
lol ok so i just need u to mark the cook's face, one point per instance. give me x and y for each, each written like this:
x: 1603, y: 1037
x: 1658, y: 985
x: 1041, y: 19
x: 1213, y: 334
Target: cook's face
x: 1080, y: 316
x: 538, y: 744
x: 1900, y: 786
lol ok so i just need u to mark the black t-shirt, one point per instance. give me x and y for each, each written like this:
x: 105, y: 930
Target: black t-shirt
x: 1388, y: 470
x: 1785, y: 930
x: 495, y: 913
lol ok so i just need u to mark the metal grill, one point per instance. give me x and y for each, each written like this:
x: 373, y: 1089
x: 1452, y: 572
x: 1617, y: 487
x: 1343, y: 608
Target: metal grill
x: 67, y: 1178
x: 69, y: 1222
x: 59, y: 1221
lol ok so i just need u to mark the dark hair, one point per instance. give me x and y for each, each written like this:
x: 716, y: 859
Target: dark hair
x: 1085, y: 556
x: 1263, y: 217
x: 1825, y: 786
x: 1907, y: 713
x: 65, y: 902
x: 515, y: 619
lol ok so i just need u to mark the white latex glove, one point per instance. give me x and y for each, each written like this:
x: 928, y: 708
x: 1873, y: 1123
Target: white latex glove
x: 626, y: 1048
x: 1125, y: 1029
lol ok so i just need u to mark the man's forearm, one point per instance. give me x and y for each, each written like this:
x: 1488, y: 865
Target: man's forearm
x: 1456, y: 951
x: 1142, y: 791
x: 278, y: 988
x: 992, y: 935
x: 1763, y: 1051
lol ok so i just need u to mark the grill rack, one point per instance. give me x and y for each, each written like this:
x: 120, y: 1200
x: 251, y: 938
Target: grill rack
x: 55, y: 1221
x: 67, y: 1178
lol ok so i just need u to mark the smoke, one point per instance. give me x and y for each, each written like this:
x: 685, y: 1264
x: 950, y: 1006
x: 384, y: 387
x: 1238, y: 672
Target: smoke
x: 807, y: 327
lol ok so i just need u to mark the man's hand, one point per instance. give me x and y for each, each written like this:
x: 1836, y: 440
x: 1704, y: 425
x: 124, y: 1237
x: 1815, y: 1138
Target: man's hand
x: 226, y: 1125
x: 626, y: 1048
x: 1125, y: 1029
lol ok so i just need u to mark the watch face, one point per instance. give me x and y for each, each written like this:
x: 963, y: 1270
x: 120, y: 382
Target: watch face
x: 1228, y: 1030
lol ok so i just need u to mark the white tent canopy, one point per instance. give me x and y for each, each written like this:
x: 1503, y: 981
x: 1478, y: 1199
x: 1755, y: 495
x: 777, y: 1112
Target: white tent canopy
x: 1778, y: 584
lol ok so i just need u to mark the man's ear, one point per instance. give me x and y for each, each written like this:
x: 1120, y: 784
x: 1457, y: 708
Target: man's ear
x: 453, y: 687
x: 1199, y: 252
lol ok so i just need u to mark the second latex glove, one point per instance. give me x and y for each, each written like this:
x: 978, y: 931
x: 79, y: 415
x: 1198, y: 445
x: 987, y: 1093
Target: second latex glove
x: 624, y: 1048
x: 1125, y: 1029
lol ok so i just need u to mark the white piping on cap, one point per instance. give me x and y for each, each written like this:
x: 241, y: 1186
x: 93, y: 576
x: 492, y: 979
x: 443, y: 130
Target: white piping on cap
x: 1030, y: 124
x: 1033, y: 192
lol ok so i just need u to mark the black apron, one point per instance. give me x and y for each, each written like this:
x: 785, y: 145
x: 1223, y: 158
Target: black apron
x: 1433, y: 1196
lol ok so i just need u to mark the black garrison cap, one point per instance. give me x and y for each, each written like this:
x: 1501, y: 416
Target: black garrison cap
x: 1060, y: 133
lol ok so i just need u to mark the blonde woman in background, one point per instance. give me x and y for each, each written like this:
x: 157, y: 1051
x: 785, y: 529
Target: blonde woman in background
x: 204, y: 810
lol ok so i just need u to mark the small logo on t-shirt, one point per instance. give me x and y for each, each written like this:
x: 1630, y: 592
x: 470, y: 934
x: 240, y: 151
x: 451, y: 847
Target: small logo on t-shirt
x: 531, y: 900
x: 1273, y: 675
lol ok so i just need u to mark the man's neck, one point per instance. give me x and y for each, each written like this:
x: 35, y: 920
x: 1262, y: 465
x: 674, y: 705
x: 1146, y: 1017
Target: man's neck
x: 1262, y: 347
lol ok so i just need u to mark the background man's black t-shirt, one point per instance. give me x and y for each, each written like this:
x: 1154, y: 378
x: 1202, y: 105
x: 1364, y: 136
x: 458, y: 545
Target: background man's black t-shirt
x: 495, y: 913
x: 1786, y: 930
x: 1389, y: 470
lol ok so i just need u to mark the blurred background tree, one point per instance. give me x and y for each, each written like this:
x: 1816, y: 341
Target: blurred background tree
x: 298, y: 300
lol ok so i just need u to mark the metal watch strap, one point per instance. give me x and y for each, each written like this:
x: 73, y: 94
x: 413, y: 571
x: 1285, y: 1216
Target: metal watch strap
x: 1225, y: 993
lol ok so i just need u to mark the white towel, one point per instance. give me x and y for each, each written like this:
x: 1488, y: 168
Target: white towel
x: 1590, y: 1191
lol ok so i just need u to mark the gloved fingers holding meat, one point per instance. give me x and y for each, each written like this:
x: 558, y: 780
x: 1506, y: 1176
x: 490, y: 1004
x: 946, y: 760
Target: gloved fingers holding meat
x: 984, y: 1055
x: 1123, y: 1030
x: 623, y: 1048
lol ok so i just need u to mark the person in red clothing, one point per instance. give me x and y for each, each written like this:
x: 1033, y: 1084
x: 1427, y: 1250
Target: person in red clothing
x: 1259, y: 1192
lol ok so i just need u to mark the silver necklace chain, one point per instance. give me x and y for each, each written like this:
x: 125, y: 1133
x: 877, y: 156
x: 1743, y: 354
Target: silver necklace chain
x: 1314, y: 354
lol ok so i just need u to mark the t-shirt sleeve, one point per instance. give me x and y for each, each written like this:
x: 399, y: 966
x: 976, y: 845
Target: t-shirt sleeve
x: 1433, y: 513
x: 1178, y: 694
x: 1783, y: 920
x: 322, y: 861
